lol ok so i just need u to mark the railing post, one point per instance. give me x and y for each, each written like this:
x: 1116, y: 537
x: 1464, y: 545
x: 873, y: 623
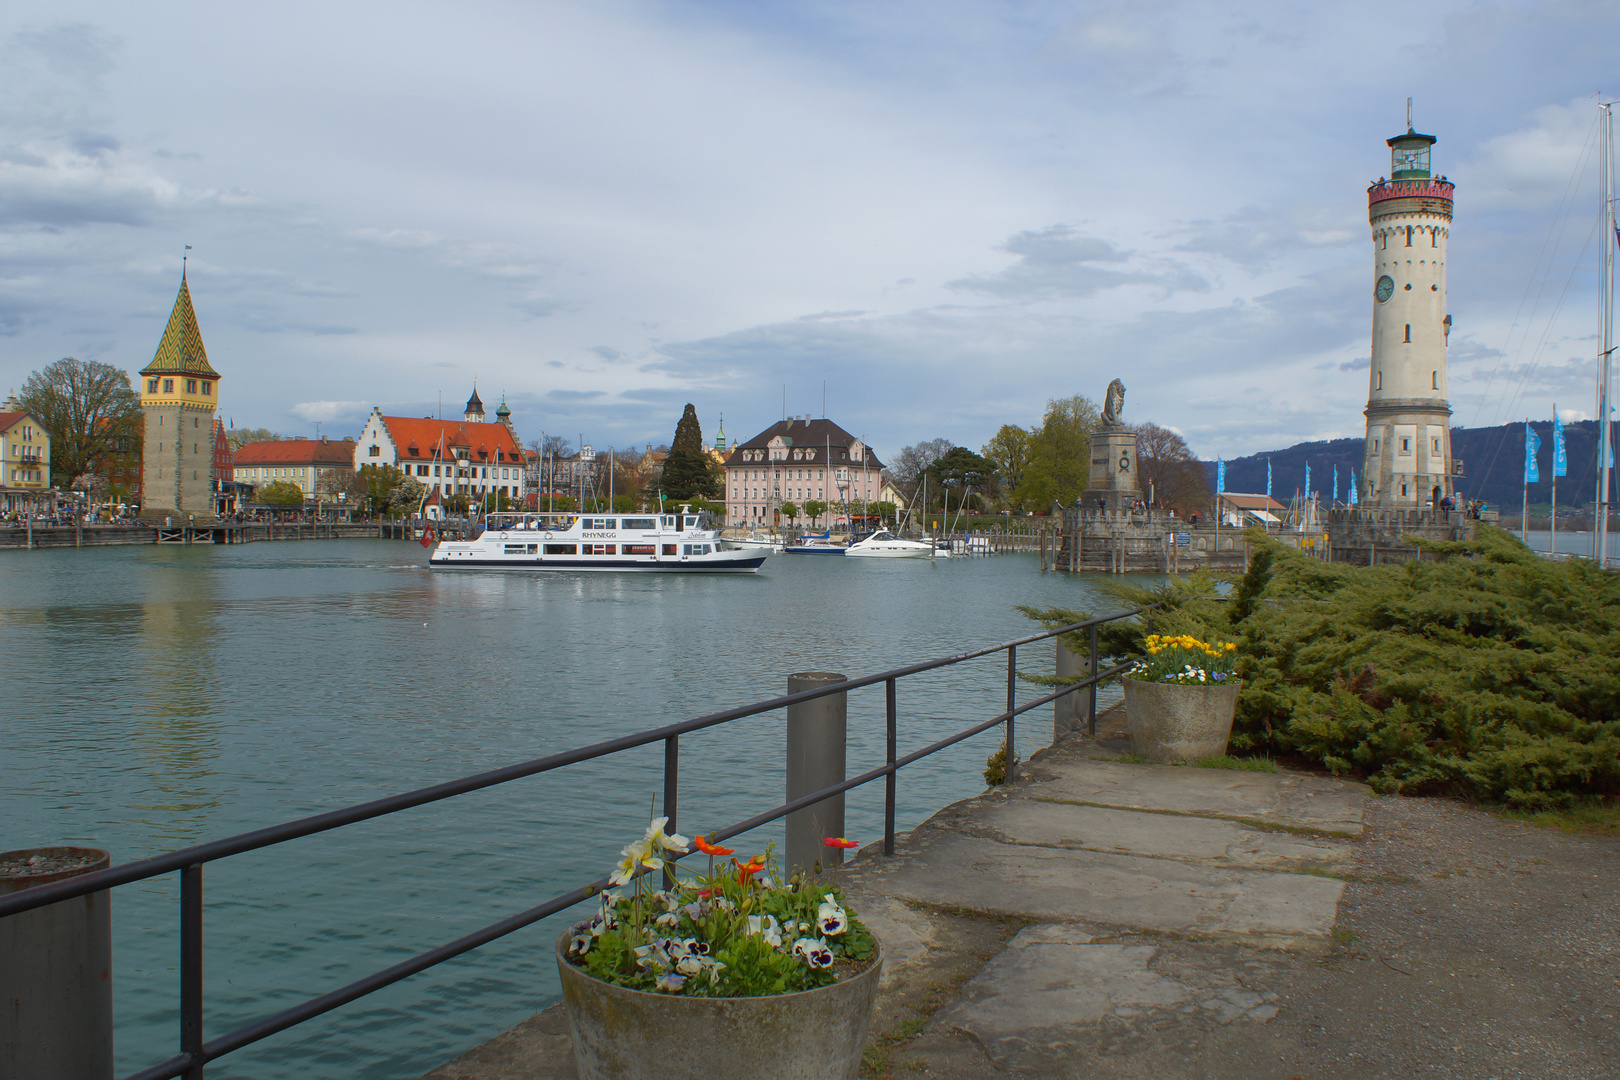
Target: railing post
x: 1066, y: 709
x: 816, y: 733
x: 191, y: 969
x: 1091, y: 705
x: 892, y: 780
x: 672, y: 792
x: 56, y: 972
x: 1011, y: 767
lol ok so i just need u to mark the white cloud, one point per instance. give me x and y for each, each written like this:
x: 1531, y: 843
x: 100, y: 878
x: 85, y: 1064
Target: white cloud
x: 950, y: 213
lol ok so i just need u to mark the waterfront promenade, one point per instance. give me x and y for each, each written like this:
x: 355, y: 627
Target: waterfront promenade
x: 1113, y: 920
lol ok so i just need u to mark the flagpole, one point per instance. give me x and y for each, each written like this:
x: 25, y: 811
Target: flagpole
x: 1524, y: 514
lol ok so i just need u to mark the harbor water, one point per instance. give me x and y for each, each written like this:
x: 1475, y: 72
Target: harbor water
x: 162, y: 696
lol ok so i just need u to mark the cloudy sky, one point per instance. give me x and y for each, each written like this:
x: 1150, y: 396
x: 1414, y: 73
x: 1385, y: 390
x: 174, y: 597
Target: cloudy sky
x: 945, y: 212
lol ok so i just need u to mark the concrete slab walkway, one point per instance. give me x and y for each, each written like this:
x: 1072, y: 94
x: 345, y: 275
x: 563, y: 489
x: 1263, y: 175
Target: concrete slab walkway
x: 1101, y: 919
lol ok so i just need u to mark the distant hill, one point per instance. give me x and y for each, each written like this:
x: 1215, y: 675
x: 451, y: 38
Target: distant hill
x: 1493, y: 458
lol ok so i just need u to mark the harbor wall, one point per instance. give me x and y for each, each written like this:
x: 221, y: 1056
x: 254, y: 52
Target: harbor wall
x: 121, y: 535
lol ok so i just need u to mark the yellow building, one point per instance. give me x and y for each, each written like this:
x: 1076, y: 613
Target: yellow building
x: 179, y: 393
x: 25, y: 449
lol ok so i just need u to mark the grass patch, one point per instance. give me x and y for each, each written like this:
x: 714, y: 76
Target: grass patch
x: 1589, y: 817
x: 1343, y: 936
x: 1243, y: 764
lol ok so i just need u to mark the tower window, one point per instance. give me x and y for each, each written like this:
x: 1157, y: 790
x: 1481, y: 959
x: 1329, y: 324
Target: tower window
x: 1375, y: 446
x: 1436, y: 441
x: 191, y: 386
x: 1434, y: 380
x: 151, y: 386
x: 1409, y: 236
x: 1432, y: 234
x: 168, y: 386
x: 207, y: 388
x: 1406, y: 446
x: 1408, y: 333
x: 1379, y: 384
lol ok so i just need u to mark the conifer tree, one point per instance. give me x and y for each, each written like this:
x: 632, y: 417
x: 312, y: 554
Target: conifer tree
x: 688, y: 471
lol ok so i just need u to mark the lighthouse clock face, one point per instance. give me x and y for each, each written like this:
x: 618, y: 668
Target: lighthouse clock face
x: 1385, y: 288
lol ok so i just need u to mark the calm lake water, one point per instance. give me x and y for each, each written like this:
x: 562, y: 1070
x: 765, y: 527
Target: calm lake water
x: 159, y: 697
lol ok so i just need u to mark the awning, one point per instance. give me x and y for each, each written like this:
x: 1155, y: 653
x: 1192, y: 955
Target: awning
x: 1265, y: 516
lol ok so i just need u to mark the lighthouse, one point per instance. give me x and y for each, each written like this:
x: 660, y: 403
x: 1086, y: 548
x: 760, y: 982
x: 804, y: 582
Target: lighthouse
x: 1408, y: 451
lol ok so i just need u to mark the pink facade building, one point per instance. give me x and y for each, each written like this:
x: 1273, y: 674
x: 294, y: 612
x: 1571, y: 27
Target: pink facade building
x: 797, y: 461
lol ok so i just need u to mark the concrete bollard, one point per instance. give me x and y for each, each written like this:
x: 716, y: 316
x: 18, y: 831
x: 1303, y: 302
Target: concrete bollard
x: 816, y: 732
x: 56, y: 972
x: 1066, y: 709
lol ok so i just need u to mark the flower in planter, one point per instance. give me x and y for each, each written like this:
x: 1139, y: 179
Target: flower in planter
x: 711, y: 849
x: 839, y: 842
x: 738, y: 932
x: 830, y: 918
x: 814, y: 951
x: 1184, y: 660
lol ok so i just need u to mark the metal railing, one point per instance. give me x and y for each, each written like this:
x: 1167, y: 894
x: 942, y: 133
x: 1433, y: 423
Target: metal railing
x: 196, y: 1052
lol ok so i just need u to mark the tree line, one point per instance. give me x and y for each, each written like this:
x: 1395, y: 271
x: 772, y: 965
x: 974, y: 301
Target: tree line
x: 1046, y: 465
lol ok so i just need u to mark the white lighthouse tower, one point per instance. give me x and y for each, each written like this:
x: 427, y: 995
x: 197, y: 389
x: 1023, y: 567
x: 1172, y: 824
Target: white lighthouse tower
x: 1408, y: 454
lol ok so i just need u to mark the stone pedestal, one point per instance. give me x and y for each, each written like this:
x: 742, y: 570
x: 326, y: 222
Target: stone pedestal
x: 1113, y: 485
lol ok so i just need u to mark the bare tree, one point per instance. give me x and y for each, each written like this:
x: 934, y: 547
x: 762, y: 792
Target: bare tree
x: 237, y: 438
x: 85, y: 405
x: 1163, y: 457
x: 912, y: 462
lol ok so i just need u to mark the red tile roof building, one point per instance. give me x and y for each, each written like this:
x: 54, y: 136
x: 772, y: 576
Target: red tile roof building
x: 305, y: 462
x: 451, y: 457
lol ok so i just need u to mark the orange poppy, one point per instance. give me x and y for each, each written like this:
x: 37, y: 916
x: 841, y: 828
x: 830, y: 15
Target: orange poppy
x: 840, y: 842
x: 710, y: 849
x: 747, y: 870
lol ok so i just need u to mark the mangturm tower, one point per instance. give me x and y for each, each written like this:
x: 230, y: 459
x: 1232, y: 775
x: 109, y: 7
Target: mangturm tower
x: 1408, y: 453
x: 179, y: 392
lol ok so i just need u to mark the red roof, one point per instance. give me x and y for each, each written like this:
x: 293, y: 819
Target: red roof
x: 435, y: 438
x: 295, y: 452
x: 9, y: 418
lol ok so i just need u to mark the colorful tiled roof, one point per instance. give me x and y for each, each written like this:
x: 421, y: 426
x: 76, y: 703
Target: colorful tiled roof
x: 294, y: 452
x: 181, y: 351
x: 426, y: 436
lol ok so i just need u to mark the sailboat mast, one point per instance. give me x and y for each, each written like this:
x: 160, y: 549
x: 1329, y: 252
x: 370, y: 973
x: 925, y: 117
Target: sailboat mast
x: 1600, y: 532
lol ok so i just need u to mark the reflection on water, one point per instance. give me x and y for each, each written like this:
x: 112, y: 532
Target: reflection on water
x: 162, y: 696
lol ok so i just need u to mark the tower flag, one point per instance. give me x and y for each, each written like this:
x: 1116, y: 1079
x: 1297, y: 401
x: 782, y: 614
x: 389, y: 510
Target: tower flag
x: 1532, y: 443
x: 1352, y: 487
x: 1220, y: 476
x: 1268, y: 478
x: 1307, y: 480
x: 1335, y: 481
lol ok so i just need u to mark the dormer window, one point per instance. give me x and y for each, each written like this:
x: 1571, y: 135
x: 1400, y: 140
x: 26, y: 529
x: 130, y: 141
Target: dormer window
x: 151, y: 386
x: 207, y: 388
x: 168, y: 386
x: 191, y: 386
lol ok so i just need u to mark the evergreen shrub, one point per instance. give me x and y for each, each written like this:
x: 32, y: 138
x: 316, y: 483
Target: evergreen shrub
x: 1481, y: 669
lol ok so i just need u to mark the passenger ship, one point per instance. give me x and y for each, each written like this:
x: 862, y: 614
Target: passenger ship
x: 683, y: 543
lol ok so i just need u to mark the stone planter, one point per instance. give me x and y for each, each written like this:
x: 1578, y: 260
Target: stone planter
x: 624, y: 1034
x: 1172, y: 722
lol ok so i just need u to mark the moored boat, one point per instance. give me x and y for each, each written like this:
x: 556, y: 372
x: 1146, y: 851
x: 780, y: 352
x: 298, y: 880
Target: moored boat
x: 680, y: 543
x: 883, y: 544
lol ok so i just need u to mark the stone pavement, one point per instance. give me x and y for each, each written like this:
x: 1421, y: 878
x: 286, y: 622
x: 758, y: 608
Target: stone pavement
x: 1104, y: 919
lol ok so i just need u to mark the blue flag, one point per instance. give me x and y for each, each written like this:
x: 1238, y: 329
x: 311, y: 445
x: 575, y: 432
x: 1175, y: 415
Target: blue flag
x: 1307, y: 480
x: 1268, y: 478
x: 1352, y: 487
x: 1220, y: 476
x: 1532, y: 443
x: 1560, y: 459
x: 1335, y: 481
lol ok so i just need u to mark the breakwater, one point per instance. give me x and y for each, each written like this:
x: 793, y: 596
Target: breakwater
x: 69, y: 536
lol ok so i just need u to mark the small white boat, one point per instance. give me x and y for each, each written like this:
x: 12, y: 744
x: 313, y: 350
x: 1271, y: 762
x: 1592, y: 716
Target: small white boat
x: 883, y: 544
x: 758, y: 542
x: 683, y: 543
